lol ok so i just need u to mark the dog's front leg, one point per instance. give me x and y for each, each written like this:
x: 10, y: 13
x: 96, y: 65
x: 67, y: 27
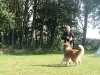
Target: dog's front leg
x: 68, y: 61
x: 63, y: 60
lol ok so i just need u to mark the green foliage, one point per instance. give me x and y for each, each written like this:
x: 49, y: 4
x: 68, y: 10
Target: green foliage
x: 93, y: 44
x: 49, y: 17
x: 6, y: 17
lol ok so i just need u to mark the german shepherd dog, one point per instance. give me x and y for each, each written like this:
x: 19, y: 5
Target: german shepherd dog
x: 72, y: 54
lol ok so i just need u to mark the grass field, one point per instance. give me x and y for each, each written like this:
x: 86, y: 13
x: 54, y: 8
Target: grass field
x: 47, y: 64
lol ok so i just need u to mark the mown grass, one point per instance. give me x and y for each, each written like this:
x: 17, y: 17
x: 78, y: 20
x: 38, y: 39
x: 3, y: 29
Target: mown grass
x: 47, y: 63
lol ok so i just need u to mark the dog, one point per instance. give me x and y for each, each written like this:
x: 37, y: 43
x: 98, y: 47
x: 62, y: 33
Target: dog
x: 72, y: 54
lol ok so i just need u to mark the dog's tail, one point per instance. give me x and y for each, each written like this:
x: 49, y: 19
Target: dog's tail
x: 81, y: 49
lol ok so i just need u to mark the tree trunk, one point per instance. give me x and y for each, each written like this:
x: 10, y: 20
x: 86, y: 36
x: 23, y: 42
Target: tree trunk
x: 33, y: 23
x: 12, y: 30
x: 54, y: 18
x: 0, y: 37
x: 12, y: 42
x: 52, y: 36
x: 85, y: 25
x: 53, y: 31
x: 44, y: 19
x: 24, y: 22
x: 36, y: 38
x: 41, y: 33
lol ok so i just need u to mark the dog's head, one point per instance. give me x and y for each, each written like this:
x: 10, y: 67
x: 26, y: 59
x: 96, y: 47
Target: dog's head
x: 67, y: 44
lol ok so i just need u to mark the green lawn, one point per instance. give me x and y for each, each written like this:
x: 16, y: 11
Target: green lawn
x: 47, y: 64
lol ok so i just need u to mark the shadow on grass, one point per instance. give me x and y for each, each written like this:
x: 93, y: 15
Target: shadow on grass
x: 54, y: 65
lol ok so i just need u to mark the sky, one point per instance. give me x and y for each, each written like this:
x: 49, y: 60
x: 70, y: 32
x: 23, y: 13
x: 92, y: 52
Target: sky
x: 93, y: 33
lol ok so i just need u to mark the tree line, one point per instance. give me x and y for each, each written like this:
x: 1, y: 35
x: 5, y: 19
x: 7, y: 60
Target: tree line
x: 42, y: 22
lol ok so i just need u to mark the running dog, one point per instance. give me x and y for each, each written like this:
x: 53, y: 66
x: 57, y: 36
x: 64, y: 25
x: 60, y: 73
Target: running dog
x: 72, y: 54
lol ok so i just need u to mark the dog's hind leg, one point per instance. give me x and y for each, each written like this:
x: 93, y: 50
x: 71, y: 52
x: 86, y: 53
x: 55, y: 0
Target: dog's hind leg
x: 75, y: 61
x: 79, y: 60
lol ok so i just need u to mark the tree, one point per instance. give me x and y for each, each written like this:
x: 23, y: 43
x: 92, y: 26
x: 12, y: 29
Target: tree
x: 25, y: 21
x: 33, y: 21
x: 43, y: 20
x: 6, y: 18
x: 52, y: 15
x: 14, y: 11
x: 87, y: 8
